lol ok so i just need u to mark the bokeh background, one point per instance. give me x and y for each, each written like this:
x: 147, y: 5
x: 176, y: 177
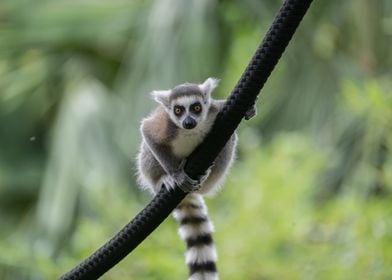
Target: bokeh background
x: 310, y: 194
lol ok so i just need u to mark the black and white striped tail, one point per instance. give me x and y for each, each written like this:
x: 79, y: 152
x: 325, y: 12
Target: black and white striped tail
x: 196, y: 229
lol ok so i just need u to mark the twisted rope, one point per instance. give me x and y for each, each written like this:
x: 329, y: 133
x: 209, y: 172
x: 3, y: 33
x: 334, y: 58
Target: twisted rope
x: 242, y: 97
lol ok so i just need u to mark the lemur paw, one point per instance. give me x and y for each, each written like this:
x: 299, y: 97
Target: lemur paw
x: 183, y: 181
x: 205, y: 176
x: 169, y: 182
x: 186, y: 183
x: 251, y: 112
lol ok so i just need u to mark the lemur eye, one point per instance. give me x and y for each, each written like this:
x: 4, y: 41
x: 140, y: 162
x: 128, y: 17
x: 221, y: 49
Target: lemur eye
x: 178, y: 110
x: 196, y: 108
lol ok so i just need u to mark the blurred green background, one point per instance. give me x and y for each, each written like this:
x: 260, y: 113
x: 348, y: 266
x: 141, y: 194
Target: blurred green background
x: 310, y: 194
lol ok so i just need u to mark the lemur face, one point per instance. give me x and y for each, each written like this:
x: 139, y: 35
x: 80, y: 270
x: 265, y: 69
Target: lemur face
x: 188, y: 111
x: 187, y: 104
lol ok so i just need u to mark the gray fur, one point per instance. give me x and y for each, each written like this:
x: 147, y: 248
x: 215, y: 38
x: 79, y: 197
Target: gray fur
x: 186, y: 90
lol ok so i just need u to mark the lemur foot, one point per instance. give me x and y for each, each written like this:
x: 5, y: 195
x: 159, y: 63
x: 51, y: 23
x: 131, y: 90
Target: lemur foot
x: 251, y: 112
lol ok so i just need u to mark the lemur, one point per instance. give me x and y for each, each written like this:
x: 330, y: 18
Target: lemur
x: 183, y: 118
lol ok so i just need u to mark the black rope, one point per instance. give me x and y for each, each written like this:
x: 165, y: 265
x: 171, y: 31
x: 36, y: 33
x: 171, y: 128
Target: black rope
x: 242, y: 98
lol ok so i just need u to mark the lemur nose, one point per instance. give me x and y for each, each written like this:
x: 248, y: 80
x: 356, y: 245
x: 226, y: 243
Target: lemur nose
x: 189, y: 123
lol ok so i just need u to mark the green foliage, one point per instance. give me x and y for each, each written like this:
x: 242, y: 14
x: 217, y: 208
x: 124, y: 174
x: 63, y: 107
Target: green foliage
x: 310, y: 194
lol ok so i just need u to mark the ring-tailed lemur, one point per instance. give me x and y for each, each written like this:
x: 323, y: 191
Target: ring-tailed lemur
x: 181, y: 121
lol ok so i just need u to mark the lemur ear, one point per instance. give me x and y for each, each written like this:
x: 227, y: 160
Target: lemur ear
x: 209, y: 85
x: 161, y: 96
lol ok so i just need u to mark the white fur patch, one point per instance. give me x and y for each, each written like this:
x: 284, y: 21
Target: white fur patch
x: 201, y: 254
x: 184, y: 144
x: 196, y: 199
x: 204, y: 276
x: 182, y: 213
x: 168, y: 181
x: 187, y: 140
x: 187, y: 231
x: 186, y: 211
x: 186, y: 101
x: 161, y: 96
x: 209, y: 85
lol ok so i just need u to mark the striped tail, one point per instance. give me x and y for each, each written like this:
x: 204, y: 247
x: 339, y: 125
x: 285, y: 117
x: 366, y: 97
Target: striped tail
x: 196, y: 229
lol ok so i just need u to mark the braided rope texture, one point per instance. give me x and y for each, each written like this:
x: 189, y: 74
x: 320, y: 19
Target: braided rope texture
x: 242, y: 97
